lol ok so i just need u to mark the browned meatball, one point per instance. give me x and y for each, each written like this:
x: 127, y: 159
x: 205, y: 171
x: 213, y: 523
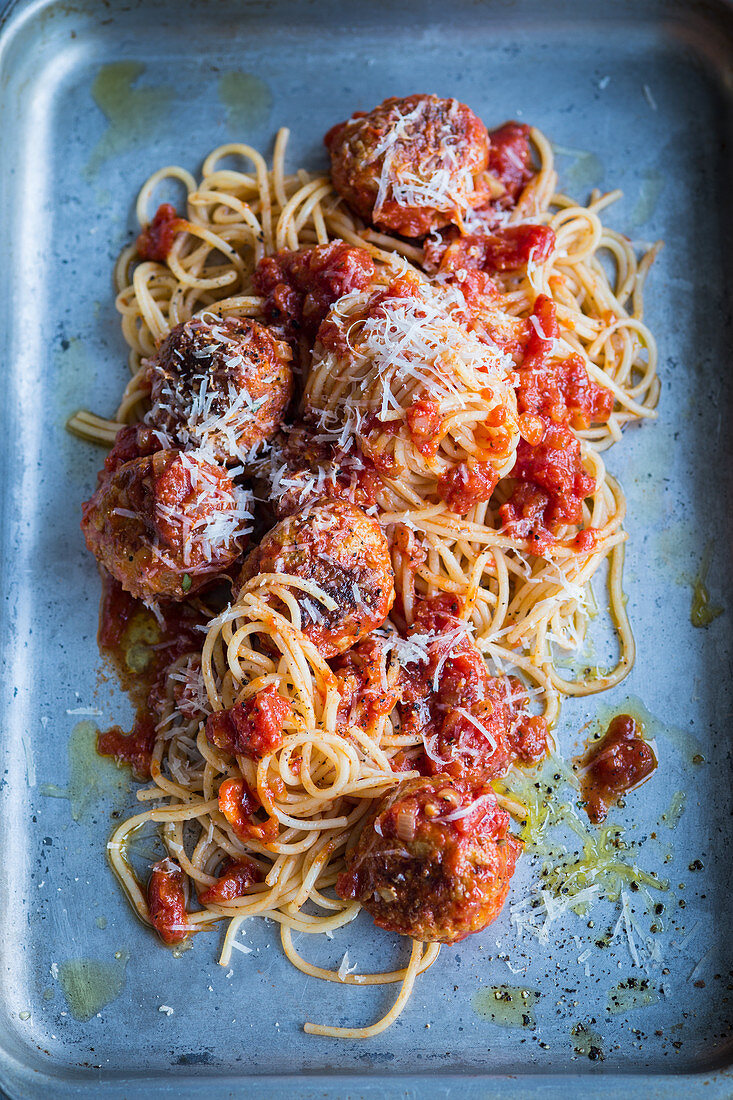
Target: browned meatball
x: 345, y: 553
x: 424, y: 868
x: 221, y: 385
x: 411, y: 165
x: 164, y: 523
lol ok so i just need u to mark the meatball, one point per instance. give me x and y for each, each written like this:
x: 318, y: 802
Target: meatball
x: 344, y: 552
x: 411, y: 165
x: 473, y: 725
x: 163, y: 524
x: 300, y: 287
x: 433, y: 861
x: 221, y: 384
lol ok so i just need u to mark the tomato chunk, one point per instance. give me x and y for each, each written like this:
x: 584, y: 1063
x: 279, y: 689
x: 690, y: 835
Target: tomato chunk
x: 251, y: 728
x: 237, y: 802
x: 236, y: 876
x: 156, y: 239
x: 300, y: 287
x: 618, y: 762
x: 466, y: 484
x: 509, y: 159
x: 167, y: 902
x: 426, y: 425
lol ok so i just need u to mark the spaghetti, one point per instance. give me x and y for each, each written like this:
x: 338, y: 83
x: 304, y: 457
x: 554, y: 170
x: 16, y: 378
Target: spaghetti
x: 422, y: 401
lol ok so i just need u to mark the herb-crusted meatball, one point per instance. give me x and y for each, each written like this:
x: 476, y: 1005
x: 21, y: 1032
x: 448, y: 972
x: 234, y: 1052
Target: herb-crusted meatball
x: 163, y: 524
x: 411, y: 165
x: 433, y: 861
x: 221, y: 384
x: 344, y: 553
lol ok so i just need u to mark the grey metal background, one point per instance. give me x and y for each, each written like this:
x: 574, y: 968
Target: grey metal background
x: 69, y: 176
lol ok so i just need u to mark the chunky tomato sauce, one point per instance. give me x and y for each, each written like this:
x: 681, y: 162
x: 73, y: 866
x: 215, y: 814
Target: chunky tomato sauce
x: 365, y: 698
x: 552, y: 398
x: 167, y: 902
x: 251, y: 728
x: 238, y: 804
x: 505, y: 249
x: 300, y: 287
x: 236, y: 876
x: 467, y: 483
x: 156, y: 239
x: 618, y: 762
x: 472, y: 724
x: 510, y: 160
x: 425, y: 425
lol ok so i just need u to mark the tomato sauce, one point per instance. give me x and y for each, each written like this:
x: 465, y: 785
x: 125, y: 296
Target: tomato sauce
x: 552, y: 398
x: 300, y: 287
x: 238, y: 804
x: 251, y: 728
x: 167, y: 902
x: 237, y: 875
x: 425, y: 425
x: 156, y: 239
x: 505, y: 249
x: 472, y: 724
x: 510, y: 160
x: 134, y: 441
x: 364, y: 696
x: 141, y: 649
x: 466, y: 484
x: 620, y: 761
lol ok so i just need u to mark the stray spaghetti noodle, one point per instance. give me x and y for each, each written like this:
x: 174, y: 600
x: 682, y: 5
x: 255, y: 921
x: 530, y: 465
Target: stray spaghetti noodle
x: 457, y: 396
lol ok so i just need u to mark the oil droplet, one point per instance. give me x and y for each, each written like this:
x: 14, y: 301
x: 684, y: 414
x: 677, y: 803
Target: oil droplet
x: 133, y: 114
x: 89, y: 984
x: 24, y: 1015
x: 630, y: 994
x: 674, y: 812
x: 138, y: 657
x: 587, y: 1043
x: 248, y: 101
x: 702, y: 611
x: 92, y: 778
x: 649, y: 192
x: 506, y: 1005
x: 585, y: 173
x: 101, y: 922
x: 48, y: 993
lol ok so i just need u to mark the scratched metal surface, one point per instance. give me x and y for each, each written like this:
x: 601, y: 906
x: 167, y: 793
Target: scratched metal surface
x: 78, y: 138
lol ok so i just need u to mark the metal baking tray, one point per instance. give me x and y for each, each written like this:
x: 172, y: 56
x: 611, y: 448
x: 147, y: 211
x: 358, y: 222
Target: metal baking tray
x: 93, y: 97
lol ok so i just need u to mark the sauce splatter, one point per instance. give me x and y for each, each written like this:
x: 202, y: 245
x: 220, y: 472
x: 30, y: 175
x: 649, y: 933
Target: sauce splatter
x: 633, y: 993
x: 620, y: 761
x: 587, y: 1043
x: 140, y: 650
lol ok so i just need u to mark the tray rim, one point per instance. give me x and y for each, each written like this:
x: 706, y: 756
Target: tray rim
x: 22, y: 1079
